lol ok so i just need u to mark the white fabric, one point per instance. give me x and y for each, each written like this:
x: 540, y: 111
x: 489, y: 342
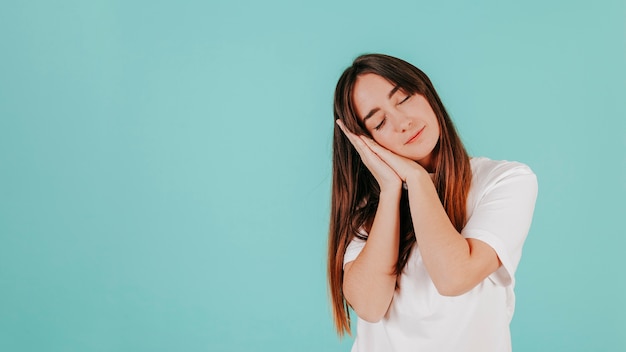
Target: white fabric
x: 499, y: 210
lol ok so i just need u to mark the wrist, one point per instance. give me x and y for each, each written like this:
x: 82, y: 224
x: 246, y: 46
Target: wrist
x: 418, y: 176
x: 391, y: 194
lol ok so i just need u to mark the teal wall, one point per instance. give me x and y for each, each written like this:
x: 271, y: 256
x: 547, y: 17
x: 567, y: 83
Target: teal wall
x: 165, y: 166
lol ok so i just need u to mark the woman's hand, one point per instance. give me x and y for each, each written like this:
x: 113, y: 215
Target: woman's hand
x: 378, y: 158
x: 403, y: 167
x: 384, y: 174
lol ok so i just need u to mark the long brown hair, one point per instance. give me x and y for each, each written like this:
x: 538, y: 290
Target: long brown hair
x: 355, y: 192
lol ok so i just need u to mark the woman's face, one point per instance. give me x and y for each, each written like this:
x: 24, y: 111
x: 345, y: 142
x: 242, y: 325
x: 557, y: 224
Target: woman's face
x: 405, y: 124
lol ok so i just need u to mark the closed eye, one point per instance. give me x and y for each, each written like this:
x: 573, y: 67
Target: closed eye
x: 405, y: 99
x: 382, y: 122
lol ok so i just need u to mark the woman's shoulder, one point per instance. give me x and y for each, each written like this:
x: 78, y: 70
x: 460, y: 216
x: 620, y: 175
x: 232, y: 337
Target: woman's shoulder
x: 500, y: 179
x: 487, y: 171
x: 485, y: 166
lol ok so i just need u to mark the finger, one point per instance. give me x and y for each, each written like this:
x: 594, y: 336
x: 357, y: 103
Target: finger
x: 368, y: 156
x: 340, y: 124
x: 392, y: 159
x: 364, y: 151
x: 345, y: 130
x: 377, y: 148
x: 358, y: 144
x: 366, y: 147
x: 372, y: 143
x: 382, y: 171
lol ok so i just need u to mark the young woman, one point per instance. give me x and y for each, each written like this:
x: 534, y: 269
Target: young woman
x: 424, y: 240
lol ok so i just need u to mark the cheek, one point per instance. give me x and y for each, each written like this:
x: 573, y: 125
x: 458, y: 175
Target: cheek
x: 437, y: 129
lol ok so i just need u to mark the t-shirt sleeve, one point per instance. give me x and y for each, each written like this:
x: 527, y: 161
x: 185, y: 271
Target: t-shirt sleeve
x: 354, y: 248
x: 502, y: 216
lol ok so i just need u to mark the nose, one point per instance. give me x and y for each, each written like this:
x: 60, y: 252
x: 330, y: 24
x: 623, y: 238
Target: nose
x: 402, y: 122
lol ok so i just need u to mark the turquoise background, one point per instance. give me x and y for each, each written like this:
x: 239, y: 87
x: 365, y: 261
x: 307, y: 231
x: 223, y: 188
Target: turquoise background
x: 165, y: 166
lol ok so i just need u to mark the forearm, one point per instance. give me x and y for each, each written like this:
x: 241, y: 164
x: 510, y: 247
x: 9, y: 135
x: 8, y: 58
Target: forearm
x: 370, y: 280
x: 449, y: 258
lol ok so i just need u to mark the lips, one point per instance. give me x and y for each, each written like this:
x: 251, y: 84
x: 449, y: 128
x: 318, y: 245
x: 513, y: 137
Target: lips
x: 415, y: 136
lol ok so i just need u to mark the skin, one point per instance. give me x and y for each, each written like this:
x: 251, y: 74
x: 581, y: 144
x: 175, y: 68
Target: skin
x: 405, y: 132
x: 402, y: 123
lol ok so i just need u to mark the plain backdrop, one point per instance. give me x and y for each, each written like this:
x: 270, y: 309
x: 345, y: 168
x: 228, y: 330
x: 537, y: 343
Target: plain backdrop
x: 165, y: 165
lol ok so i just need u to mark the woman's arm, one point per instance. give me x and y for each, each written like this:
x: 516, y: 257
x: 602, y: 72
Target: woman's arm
x: 370, y: 280
x: 455, y: 264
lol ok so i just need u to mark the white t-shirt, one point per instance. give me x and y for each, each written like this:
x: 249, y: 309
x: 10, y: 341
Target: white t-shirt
x: 499, y: 210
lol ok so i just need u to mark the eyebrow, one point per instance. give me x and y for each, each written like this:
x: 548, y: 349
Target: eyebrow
x: 375, y: 110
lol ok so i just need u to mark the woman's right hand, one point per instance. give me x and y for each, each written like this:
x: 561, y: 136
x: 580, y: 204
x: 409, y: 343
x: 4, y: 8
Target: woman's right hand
x: 386, y: 177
